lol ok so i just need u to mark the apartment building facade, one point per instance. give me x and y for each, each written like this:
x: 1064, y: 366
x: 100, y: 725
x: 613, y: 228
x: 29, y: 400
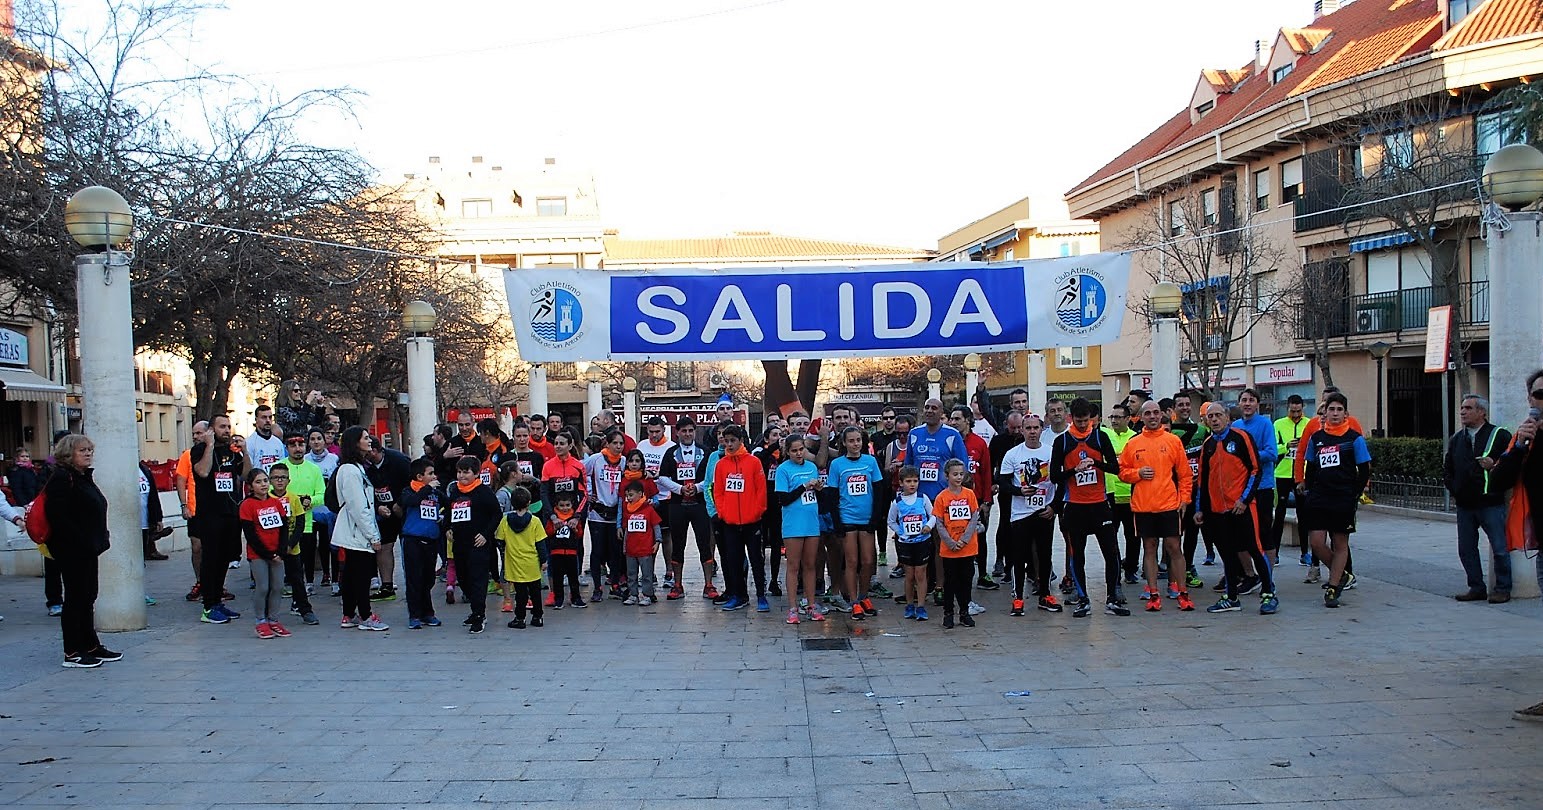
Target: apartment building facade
x: 1333, y: 177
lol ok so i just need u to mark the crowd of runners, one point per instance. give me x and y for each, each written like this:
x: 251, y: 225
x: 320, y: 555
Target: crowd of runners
x: 819, y: 515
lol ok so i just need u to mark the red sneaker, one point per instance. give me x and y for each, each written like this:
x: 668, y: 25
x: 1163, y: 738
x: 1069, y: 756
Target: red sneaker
x: 1155, y: 604
x: 550, y: 600
x: 676, y: 592
x: 1184, y: 601
x: 264, y: 630
x: 278, y: 629
x: 709, y: 592
x: 1017, y: 607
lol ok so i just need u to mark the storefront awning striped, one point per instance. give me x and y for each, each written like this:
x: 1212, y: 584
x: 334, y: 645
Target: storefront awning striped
x: 22, y: 385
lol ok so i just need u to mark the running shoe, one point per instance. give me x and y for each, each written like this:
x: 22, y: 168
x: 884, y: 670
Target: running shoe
x: 897, y: 573
x: 1116, y: 609
x: 507, y: 606
x: 761, y: 605
x: 921, y: 613
x: 1350, y: 581
x: 1083, y: 609
x: 1185, y: 603
x: 857, y: 612
x: 967, y: 620
x: 234, y: 564
x: 1173, y: 593
x: 1193, y: 580
x: 1224, y: 605
x: 195, y: 593
x: 721, y: 599
x: 81, y: 662
x: 1047, y: 603
x: 1220, y: 586
x: 792, y: 616
x: 643, y: 601
x: 937, y: 597
x: 878, y: 590
x: 709, y: 592
x: 432, y: 621
x: 516, y: 624
x: 550, y: 600
x: 348, y: 623
x: 279, y: 630
x: 556, y: 605
x: 999, y: 570
x: 676, y: 592
x: 1249, y: 585
x: 56, y: 610
x: 735, y: 603
x: 1306, y: 559
x: 374, y: 623
x: 617, y: 592
x: 105, y: 655
x: 1210, y: 559
x: 1313, y: 574
x: 537, y: 621
x: 774, y: 589
x: 869, y: 609
x: 214, y: 615
x: 1147, y: 594
x: 986, y: 583
x: 386, y: 593
x: 948, y: 620
x: 839, y: 604
x: 631, y: 600
x: 1132, y: 579
x: 578, y: 602
x: 475, y: 627
x: 1331, y: 597
x: 597, y: 596
x: 493, y: 587
x: 910, y: 611
x: 974, y: 609
x: 669, y: 579
x: 414, y: 623
x: 229, y: 611
x: 1067, y: 586
x: 288, y: 592
x: 1268, y: 604
x: 336, y: 590
x: 883, y: 559
x: 1018, y: 607
x: 309, y: 618
x: 264, y: 630
x: 1154, y: 605
x: 449, y: 594
x: 816, y: 614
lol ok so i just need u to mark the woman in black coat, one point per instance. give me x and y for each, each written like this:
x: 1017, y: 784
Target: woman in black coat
x: 77, y: 535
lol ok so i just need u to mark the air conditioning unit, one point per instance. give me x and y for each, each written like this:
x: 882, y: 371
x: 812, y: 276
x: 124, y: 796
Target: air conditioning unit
x: 1371, y: 319
x: 1215, y: 343
x: 717, y: 380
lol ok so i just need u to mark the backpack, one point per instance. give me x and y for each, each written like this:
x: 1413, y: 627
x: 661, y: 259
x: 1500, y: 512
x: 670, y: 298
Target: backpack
x: 330, y: 497
x: 37, y: 520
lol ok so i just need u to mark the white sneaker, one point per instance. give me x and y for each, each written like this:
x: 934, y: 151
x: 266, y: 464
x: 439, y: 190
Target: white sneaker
x: 1313, y: 574
x: 375, y: 583
x: 975, y: 609
x: 630, y: 600
x: 336, y: 589
x: 839, y: 604
x: 310, y: 589
x: 374, y: 623
x: 645, y: 601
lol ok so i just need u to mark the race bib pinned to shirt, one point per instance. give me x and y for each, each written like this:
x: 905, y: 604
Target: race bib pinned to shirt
x: 685, y: 474
x: 526, y: 468
x: 487, y: 477
x: 564, y: 532
x: 1328, y: 457
x: 1086, y: 478
x: 912, y: 526
x: 1036, y: 502
x: 267, y: 462
x: 611, y: 475
x: 144, y: 485
x: 637, y: 524
x: 383, y: 495
x: 224, y: 482
x: 428, y: 511
x: 269, y: 519
x: 974, y: 466
x: 807, y: 498
x: 958, y: 510
x: 929, y: 471
x: 734, y: 483
x: 460, y: 512
x: 857, y: 486
x: 563, y: 485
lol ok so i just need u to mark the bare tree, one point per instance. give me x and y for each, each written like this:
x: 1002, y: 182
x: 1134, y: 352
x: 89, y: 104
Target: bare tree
x: 1228, y: 269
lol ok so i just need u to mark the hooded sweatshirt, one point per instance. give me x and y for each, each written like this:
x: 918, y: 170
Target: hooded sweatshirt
x: 520, y: 532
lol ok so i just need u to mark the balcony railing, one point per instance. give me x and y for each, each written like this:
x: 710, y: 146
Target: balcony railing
x: 1326, y: 201
x: 1393, y: 311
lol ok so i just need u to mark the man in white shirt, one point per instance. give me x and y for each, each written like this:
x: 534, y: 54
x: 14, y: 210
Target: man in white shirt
x: 264, y: 447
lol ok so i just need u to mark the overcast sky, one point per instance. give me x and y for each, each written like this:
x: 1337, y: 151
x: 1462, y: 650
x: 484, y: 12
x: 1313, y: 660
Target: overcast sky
x: 891, y: 122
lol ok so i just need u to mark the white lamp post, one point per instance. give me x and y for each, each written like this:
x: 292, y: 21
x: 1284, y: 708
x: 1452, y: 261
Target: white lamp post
x: 98, y: 218
x: 1166, y: 299
x: 592, y: 376
x: 1513, y: 178
x: 630, y: 405
x: 934, y: 384
x: 1039, y: 383
x: 538, y: 390
x: 971, y: 373
x: 418, y: 320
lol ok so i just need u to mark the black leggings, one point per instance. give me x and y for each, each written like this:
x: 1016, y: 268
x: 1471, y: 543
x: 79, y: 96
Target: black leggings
x: 527, y: 592
x: 1027, y: 552
x: 1235, y: 534
x: 1077, y: 522
x: 564, y: 569
x: 473, y: 568
x: 958, y: 576
x: 1124, y: 517
x: 222, y: 543
x: 358, y: 568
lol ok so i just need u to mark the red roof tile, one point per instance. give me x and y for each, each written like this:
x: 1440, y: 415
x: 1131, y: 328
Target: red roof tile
x: 1225, y: 81
x: 1366, y: 35
x: 1496, y: 19
x: 1305, y: 40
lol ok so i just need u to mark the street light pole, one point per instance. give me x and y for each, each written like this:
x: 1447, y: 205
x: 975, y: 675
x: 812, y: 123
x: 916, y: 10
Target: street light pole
x: 1166, y: 300
x: 418, y: 320
x: 630, y: 405
x: 592, y: 376
x: 98, y: 218
x: 934, y: 384
x: 1039, y: 383
x: 538, y: 390
x: 1380, y: 351
x: 971, y: 374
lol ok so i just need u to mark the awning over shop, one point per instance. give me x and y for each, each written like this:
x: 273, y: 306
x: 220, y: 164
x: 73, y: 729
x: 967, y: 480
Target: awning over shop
x: 21, y: 385
x: 996, y: 241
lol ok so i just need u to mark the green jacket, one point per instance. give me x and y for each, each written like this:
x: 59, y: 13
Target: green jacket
x: 305, y: 479
x: 1286, y: 432
x: 1112, y: 483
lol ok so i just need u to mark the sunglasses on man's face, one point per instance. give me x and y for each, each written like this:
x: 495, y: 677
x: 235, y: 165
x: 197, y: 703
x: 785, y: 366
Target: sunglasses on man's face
x: 1537, y: 393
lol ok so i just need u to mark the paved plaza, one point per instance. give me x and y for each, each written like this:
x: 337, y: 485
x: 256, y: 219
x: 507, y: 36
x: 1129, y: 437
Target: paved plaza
x: 1399, y: 698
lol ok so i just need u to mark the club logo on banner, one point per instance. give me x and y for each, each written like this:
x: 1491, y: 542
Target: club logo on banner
x: 817, y: 312
x: 556, y: 316
x: 1081, y: 301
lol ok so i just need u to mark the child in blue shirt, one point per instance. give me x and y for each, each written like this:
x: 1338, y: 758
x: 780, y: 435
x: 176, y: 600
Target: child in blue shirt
x: 912, y: 522
x: 798, y: 485
x: 853, y: 475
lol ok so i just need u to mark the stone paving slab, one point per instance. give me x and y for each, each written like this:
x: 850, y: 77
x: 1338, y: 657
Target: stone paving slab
x: 1398, y: 699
